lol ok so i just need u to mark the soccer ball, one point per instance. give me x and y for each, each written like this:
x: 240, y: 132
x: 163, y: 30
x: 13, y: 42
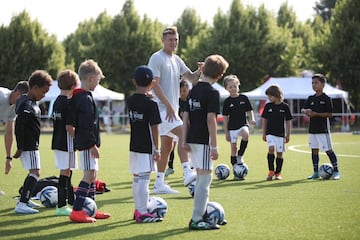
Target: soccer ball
x: 215, y: 213
x: 90, y: 207
x: 191, y: 188
x: 240, y: 170
x: 49, y: 196
x: 326, y: 170
x: 222, y: 171
x: 157, y: 206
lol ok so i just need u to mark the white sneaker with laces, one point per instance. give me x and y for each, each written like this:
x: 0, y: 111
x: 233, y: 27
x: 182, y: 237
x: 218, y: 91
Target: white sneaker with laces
x: 336, y: 175
x: 189, y: 177
x: 33, y: 204
x: 24, y: 209
x: 164, y: 189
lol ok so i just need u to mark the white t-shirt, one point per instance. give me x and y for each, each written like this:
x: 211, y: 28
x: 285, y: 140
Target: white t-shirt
x: 169, y: 69
x: 7, y: 111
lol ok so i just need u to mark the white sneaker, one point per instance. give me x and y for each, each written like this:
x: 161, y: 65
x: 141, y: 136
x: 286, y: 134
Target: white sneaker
x: 189, y: 177
x: 24, y: 209
x: 2, y: 193
x: 33, y: 204
x: 164, y: 189
x: 336, y: 175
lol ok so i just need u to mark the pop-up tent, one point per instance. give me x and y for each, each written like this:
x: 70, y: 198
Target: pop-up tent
x: 100, y: 93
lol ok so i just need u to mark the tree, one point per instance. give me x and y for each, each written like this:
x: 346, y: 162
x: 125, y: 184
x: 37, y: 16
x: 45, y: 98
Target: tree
x: 25, y: 47
x: 324, y: 8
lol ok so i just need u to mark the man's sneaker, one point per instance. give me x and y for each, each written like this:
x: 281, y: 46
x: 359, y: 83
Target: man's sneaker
x: 314, y: 176
x: 164, y: 189
x: 189, y: 177
x: 100, y: 215
x: 270, y: 175
x: 81, y: 217
x: 336, y: 175
x: 63, y: 211
x: 24, y: 209
x: 32, y: 204
x: 202, y: 225
x: 169, y: 171
x: 146, y: 218
x: 278, y: 176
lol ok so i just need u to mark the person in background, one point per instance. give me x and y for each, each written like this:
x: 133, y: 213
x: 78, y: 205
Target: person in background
x: 276, y: 123
x: 8, y: 100
x: 319, y: 108
x: 27, y: 132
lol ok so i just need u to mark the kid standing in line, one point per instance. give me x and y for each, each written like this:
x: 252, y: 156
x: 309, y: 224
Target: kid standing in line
x: 276, y: 123
x: 319, y: 108
x: 235, y: 109
x: 27, y: 131
x: 87, y: 138
x: 144, y: 119
x: 199, y: 136
x: 63, y: 140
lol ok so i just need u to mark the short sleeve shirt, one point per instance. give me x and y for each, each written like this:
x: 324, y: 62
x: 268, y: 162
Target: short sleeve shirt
x: 236, y: 109
x: 276, y: 115
x: 7, y: 111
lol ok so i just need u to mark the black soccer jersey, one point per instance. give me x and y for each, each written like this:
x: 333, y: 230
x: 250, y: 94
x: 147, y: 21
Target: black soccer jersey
x: 276, y: 115
x: 203, y: 99
x: 182, y: 107
x: 319, y: 104
x: 236, y: 109
x: 61, y: 139
x: 85, y: 118
x: 27, y: 124
x: 143, y: 113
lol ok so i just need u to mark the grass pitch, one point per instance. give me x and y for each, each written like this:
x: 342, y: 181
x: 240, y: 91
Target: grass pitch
x: 292, y: 208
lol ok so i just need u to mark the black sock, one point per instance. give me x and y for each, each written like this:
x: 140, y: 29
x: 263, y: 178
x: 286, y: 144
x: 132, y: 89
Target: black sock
x: 279, y: 163
x: 315, y: 161
x: 70, y: 192
x: 333, y: 160
x: 81, y: 193
x: 242, y: 147
x: 271, y: 158
x: 171, y: 160
x: 233, y: 160
x: 62, y: 190
x: 28, y: 187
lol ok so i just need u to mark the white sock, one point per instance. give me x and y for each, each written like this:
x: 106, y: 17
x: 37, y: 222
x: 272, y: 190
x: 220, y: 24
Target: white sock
x: 186, y: 166
x: 143, y: 192
x: 201, y: 196
x: 160, y: 178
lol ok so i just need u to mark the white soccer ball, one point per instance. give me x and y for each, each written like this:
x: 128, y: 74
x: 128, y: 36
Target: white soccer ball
x: 157, y: 206
x: 326, y: 171
x: 49, y: 196
x: 222, y: 171
x: 191, y: 188
x: 215, y: 213
x: 240, y: 170
x: 90, y: 207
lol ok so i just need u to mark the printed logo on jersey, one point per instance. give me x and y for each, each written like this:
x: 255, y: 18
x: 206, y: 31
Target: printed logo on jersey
x: 270, y: 110
x: 135, y: 116
x: 242, y: 102
x: 56, y: 116
x: 322, y: 102
x: 231, y: 105
x: 194, y: 104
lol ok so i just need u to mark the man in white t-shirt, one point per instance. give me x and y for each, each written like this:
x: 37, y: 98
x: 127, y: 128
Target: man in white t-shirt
x: 8, y: 100
x: 168, y: 68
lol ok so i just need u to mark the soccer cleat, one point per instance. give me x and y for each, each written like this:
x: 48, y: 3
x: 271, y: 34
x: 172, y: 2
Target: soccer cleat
x: 314, y: 176
x: 146, y: 218
x: 32, y: 204
x: 164, y: 189
x: 336, y: 175
x: 100, y: 215
x: 63, y: 211
x: 236, y: 178
x: 270, y: 175
x: 202, y: 225
x: 81, y: 217
x: 224, y: 222
x: 278, y: 176
x: 189, y: 177
x: 169, y: 171
x: 23, y: 208
x: 2, y: 193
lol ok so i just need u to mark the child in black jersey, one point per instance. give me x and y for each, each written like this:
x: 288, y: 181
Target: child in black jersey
x: 235, y: 109
x: 276, y: 125
x: 144, y: 119
x: 27, y: 131
x: 199, y: 125
x: 319, y: 108
x: 63, y: 140
x: 87, y: 138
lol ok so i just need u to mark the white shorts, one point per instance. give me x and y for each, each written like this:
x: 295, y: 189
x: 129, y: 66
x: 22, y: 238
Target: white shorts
x: 87, y: 162
x: 277, y: 142
x: 234, y: 134
x: 30, y: 159
x: 320, y: 141
x: 65, y: 160
x: 200, y: 156
x: 165, y: 126
x: 141, y: 163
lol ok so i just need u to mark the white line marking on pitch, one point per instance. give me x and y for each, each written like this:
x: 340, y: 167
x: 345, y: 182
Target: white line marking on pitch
x: 294, y: 148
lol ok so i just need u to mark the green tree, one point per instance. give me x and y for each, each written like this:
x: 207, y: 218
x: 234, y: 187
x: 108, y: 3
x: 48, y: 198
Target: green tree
x: 25, y: 47
x: 324, y: 8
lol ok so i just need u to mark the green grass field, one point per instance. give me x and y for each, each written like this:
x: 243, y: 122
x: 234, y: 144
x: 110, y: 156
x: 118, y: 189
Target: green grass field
x: 293, y: 208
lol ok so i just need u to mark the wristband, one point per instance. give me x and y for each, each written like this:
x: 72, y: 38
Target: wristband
x: 8, y: 158
x: 213, y: 148
x: 157, y: 151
